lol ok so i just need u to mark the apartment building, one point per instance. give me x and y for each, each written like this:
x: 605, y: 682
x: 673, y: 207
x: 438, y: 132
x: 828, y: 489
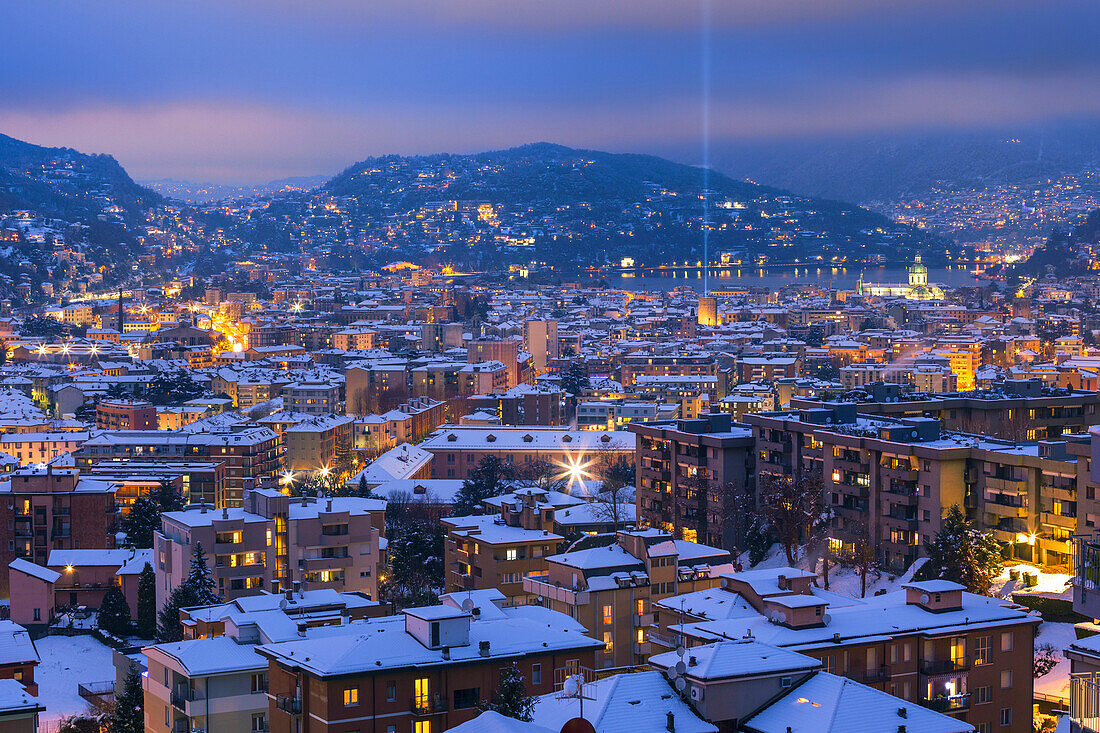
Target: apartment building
x: 312, y: 444
x: 457, y: 450
x: 611, y: 590
x: 1023, y: 409
x: 125, y: 415
x: 251, y: 454
x: 34, y: 448
x: 274, y: 541
x: 214, y: 680
x: 615, y: 414
x: 500, y: 550
x: 423, y: 671
x: 889, y: 481
x: 540, y: 340
x: 18, y: 658
x: 313, y: 397
x: 690, y: 475
x: 44, y: 508
x: 641, y: 364
x: 930, y: 643
x: 504, y: 351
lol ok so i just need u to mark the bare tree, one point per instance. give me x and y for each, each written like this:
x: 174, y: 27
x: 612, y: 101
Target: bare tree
x: 616, y: 475
x: 795, y: 508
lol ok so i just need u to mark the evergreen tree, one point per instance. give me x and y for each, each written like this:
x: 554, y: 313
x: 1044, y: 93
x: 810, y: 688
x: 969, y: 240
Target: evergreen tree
x: 483, y: 482
x: 128, y: 715
x: 147, y: 603
x: 80, y: 724
x: 364, y: 491
x: 114, y: 613
x: 962, y: 553
x: 575, y: 379
x: 170, y: 627
x: 511, y: 698
x: 201, y: 579
x: 144, y: 516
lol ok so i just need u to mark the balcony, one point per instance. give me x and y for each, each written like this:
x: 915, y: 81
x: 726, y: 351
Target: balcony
x: 331, y: 540
x: 642, y: 619
x: 327, y: 563
x: 944, y: 666
x: 538, y: 586
x: 871, y: 676
x: 291, y: 705
x: 641, y: 648
x: 952, y: 704
x: 429, y: 705
x: 1058, y: 520
x: 664, y: 639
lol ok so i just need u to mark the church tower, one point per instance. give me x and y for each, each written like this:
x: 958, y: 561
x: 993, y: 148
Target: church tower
x: 918, y: 274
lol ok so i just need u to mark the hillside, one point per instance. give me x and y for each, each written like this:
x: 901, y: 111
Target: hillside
x: 1065, y: 251
x: 587, y: 207
x: 67, y: 220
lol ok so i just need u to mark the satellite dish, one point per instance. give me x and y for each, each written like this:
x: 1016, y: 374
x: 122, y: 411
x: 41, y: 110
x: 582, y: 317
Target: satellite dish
x: 827, y: 619
x: 680, y: 684
x: 577, y: 725
x: 680, y: 667
x: 781, y: 616
x: 681, y: 650
x: 924, y: 598
x: 468, y: 604
x: 673, y: 672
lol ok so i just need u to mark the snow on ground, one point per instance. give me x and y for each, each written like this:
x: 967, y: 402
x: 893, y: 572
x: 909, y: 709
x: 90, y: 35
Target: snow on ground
x: 845, y: 581
x: 1059, y: 635
x: 1051, y: 585
x: 66, y: 662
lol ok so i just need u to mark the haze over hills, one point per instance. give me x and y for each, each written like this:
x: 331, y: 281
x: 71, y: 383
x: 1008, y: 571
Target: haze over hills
x: 200, y: 193
x: 878, y: 168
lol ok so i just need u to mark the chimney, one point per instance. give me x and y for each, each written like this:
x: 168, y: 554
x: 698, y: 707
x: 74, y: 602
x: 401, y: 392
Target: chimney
x: 225, y: 512
x: 328, y: 506
x: 903, y: 713
x: 290, y: 594
x: 670, y: 722
x: 202, y: 508
x: 446, y: 653
x: 483, y: 648
x: 692, y: 661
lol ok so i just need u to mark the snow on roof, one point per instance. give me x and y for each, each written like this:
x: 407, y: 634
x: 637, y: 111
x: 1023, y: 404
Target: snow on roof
x: 745, y: 657
x: 611, y: 556
x: 382, y: 643
x: 402, y: 462
x: 829, y: 704
x: 218, y: 655
x: 35, y: 571
x: 934, y: 586
x: 92, y: 558
x: 491, y: 529
x: 493, y: 722
x: 15, y: 644
x: 624, y: 703
x: 13, y: 696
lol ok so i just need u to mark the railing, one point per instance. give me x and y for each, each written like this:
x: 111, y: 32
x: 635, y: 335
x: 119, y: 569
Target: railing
x: 292, y: 705
x: 429, y: 705
x: 942, y: 666
x: 181, y: 697
x: 950, y: 704
x: 870, y: 676
x: 664, y: 639
x: 1084, y: 703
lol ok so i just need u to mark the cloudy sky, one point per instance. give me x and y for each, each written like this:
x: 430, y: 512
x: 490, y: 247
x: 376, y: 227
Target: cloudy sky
x: 244, y: 91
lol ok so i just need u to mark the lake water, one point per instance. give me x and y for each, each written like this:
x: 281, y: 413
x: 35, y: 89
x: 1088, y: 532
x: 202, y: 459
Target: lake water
x: 840, y: 277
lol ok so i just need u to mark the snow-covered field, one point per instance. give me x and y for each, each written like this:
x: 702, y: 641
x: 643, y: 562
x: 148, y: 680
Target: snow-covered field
x: 66, y: 662
x: 1053, y: 585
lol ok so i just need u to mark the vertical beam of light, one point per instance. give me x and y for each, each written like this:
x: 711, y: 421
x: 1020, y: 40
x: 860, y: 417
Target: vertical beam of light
x: 706, y: 142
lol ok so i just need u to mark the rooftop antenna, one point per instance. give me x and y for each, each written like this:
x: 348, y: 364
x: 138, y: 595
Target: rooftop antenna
x: 706, y: 143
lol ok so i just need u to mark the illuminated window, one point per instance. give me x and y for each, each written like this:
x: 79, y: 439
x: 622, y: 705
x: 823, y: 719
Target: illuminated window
x: 607, y: 644
x: 608, y: 616
x: 351, y: 696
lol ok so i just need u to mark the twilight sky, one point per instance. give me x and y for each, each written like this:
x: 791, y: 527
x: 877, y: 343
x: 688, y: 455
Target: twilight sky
x: 244, y: 91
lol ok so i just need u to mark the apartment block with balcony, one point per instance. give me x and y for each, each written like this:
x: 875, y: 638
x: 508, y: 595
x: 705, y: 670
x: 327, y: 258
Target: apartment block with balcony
x: 690, y: 474
x: 43, y: 509
x: 500, y: 550
x: 274, y: 542
x: 612, y: 590
x: 889, y: 481
x: 425, y: 670
x: 203, y: 685
x: 930, y: 643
